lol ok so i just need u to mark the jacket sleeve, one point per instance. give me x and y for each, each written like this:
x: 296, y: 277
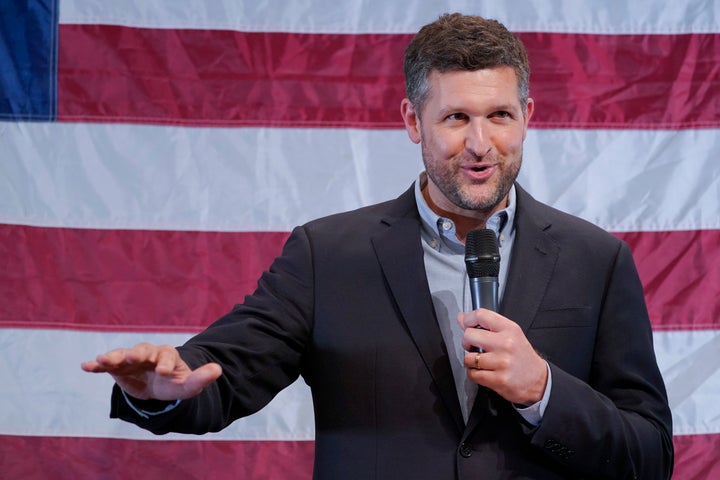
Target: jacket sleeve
x: 259, y: 345
x: 618, y: 423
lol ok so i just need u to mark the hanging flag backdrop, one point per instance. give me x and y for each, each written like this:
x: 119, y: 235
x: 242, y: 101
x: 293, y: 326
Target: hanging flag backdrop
x: 155, y: 154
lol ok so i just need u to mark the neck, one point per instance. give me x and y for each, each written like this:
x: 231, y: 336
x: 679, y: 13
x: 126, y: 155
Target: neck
x: 463, y: 223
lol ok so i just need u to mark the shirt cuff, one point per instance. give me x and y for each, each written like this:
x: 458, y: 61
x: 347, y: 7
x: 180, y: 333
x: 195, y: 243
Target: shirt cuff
x: 534, y: 413
x: 147, y: 413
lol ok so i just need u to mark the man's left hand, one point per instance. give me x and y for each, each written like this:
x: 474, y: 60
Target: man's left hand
x: 508, y: 364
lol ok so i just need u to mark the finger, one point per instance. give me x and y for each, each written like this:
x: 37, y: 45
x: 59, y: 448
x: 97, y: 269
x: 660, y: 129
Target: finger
x: 469, y: 319
x: 492, y: 321
x: 484, y: 361
x: 119, y: 360
x: 475, y: 360
x: 481, y: 318
x: 461, y: 320
x: 472, y: 360
x: 92, y: 366
x: 477, y: 338
x: 141, y: 353
x: 471, y: 341
x: 105, y: 364
x: 467, y: 322
x: 167, y: 360
x: 110, y: 360
x: 485, y: 378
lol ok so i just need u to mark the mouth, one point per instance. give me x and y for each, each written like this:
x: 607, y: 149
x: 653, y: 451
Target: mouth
x: 479, y: 172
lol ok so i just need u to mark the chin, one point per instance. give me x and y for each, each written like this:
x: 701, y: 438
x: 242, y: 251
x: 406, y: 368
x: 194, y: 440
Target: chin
x: 481, y: 202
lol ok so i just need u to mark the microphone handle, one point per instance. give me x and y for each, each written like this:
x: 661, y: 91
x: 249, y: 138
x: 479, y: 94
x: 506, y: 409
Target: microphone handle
x: 484, y: 293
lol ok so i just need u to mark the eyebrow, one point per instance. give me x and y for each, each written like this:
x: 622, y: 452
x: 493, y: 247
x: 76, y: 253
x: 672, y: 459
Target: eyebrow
x: 501, y: 107
x: 507, y: 107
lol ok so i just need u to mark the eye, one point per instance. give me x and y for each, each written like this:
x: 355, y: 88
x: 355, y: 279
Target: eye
x: 502, y: 117
x: 501, y: 114
x: 456, y: 117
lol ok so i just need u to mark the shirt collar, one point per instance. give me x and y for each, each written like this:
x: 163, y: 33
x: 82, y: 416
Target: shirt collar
x: 439, y: 231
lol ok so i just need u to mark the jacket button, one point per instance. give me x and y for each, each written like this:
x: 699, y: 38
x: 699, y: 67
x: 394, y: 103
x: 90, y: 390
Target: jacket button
x: 466, y: 450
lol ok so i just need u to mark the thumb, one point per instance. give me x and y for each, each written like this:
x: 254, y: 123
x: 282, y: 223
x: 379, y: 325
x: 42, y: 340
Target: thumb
x: 200, y: 378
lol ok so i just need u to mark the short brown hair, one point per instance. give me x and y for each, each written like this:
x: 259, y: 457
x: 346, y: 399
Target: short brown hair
x: 463, y: 42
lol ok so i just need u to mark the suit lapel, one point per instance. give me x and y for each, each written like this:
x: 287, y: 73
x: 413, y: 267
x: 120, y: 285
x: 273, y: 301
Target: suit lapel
x: 534, y: 257
x: 400, y: 254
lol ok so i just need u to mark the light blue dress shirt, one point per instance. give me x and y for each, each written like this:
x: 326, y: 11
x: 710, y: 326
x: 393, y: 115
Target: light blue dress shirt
x: 444, y: 256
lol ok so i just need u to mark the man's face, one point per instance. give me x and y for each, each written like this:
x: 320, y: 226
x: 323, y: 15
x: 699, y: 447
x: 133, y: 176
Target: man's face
x: 471, y: 132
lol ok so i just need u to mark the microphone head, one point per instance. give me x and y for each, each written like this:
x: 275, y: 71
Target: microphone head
x: 482, y: 255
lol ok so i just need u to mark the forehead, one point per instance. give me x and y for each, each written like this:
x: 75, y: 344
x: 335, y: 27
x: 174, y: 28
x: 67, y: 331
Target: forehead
x: 498, y: 84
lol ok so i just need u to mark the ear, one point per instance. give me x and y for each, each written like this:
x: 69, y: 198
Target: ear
x: 528, y: 113
x: 411, y: 119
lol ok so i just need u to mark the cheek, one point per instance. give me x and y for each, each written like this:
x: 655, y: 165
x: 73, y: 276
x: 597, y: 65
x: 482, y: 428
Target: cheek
x: 509, y: 142
x: 445, y: 144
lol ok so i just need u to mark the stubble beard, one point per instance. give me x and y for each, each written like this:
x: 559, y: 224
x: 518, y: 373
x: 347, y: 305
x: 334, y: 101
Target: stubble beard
x: 444, y: 177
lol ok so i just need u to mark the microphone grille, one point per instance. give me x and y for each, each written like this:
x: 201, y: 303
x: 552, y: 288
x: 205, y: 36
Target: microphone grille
x: 482, y: 255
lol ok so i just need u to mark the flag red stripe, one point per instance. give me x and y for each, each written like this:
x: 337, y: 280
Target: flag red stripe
x: 143, y: 280
x: 696, y: 457
x: 127, y: 280
x: 680, y: 277
x: 71, y: 458
x: 222, y: 77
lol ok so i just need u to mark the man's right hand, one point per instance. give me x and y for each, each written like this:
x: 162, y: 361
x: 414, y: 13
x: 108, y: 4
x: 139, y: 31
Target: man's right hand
x: 157, y: 372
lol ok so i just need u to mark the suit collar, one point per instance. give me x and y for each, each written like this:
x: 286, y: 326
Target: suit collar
x: 535, y: 253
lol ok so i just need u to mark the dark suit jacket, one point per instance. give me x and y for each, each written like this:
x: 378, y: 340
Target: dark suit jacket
x: 347, y: 306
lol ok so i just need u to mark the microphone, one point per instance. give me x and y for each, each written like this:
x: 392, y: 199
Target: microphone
x: 482, y: 260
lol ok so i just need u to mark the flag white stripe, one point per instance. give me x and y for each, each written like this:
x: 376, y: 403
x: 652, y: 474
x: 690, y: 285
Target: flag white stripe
x: 377, y: 16
x: 690, y: 365
x: 112, y: 176
x: 42, y: 396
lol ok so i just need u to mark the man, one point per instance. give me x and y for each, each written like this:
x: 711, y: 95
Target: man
x: 368, y: 307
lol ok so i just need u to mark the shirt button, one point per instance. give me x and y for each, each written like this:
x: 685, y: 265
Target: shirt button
x: 466, y: 450
x: 447, y: 225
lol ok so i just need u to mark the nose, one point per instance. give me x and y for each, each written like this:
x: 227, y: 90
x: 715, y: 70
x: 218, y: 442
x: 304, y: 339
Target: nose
x: 477, y: 140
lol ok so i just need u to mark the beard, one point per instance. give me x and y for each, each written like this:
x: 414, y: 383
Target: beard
x: 477, y: 197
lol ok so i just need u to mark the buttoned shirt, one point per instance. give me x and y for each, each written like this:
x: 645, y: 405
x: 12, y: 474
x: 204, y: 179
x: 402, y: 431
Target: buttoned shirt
x: 444, y: 257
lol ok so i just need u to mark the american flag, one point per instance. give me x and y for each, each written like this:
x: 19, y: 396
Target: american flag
x: 154, y: 155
